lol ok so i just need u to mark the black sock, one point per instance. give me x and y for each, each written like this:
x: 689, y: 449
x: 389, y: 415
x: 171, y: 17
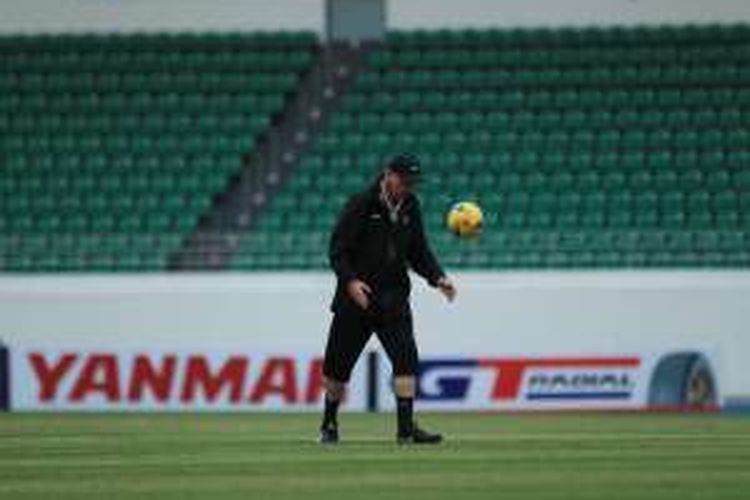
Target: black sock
x: 329, y: 414
x: 405, y: 409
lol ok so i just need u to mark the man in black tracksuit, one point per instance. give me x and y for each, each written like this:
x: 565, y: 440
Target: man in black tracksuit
x: 378, y: 236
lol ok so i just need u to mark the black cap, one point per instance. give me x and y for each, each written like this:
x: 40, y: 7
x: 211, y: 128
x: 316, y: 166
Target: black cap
x: 406, y: 164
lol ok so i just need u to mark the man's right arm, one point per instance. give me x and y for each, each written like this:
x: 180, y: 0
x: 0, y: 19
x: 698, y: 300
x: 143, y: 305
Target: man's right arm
x: 341, y: 251
x: 344, y: 240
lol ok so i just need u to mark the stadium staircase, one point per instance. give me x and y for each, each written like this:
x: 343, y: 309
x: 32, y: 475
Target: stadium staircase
x: 318, y: 94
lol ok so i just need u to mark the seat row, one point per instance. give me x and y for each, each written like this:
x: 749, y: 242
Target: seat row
x: 163, y: 102
x: 609, y: 37
x: 587, y: 56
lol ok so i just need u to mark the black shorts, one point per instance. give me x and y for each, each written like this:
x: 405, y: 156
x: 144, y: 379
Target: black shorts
x: 352, y: 327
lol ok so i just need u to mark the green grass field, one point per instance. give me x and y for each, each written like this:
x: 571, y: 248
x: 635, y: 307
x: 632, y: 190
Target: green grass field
x: 275, y: 456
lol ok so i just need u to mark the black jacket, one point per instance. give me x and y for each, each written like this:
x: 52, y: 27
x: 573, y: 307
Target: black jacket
x: 367, y: 245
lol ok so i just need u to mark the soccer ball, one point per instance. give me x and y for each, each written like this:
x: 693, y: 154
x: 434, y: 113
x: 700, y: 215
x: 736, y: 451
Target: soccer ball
x: 465, y: 219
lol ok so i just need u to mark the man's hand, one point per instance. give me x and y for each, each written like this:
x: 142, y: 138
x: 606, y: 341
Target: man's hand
x: 360, y: 292
x: 447, y: 288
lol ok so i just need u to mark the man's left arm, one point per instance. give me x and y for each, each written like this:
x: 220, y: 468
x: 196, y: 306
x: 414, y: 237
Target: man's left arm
x: 423, y: 260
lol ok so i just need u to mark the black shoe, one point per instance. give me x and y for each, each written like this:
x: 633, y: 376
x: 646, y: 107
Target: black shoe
x: 419, y: 436
x: 329, y: 434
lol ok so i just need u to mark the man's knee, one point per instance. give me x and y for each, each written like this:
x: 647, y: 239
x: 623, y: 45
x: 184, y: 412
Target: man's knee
x: 335, y: 389
x: 405, y: 386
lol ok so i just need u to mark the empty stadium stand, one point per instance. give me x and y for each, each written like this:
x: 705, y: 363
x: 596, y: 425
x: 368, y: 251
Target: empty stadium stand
x: 587, y: 148
x: 114, y: 146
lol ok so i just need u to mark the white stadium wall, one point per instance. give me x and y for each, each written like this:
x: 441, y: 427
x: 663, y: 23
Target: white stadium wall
x: 415, y: 14
x: 252, y: 341
x: 70, y: 16
x: 250, y: 15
